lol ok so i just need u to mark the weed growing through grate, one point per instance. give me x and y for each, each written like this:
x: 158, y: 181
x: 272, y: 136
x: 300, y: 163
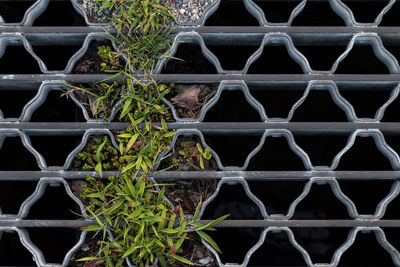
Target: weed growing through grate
x: 191, y: 151
x: 99, y: 155
x: 143, y: 224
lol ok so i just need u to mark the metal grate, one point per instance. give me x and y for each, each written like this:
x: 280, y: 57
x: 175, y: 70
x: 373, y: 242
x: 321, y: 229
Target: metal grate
x: 305, y: 132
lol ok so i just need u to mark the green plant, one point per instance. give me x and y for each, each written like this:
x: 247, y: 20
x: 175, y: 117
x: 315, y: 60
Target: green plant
x: 146, y: 15
x: 142, y: 33
x: 100, y: 97
x: 143, y: 101
x: 141, y: 148
x: 111, y: 59
x: 191, y: 151
x: 143, y: 224
x: 99, y: 155
x: 142, y: 50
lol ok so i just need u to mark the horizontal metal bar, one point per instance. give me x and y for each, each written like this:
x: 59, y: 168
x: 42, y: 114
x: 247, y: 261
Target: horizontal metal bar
x: 60, y: 30
x: 306, y: 223
x: 204, y: 78
x: 71, y: 128
x: 281, y: 175
x: 328, y: 30
x: 193, y: 175
x: 226, y: 223
x: 216, y: 35
x: 213, y: 29
x: 45, y: 223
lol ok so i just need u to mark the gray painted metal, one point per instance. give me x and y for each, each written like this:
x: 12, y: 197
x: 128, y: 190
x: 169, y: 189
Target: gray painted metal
x: 353, y: 34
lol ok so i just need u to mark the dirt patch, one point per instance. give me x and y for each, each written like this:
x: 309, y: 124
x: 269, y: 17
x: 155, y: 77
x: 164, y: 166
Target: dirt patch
x: 187, y: 194
x: 90, y: 63
x: 90, y: 248
x: 196, y: 252
x: 86, y: 159
x: 89, y: 94
x: 184, y: 156
x: 188, y: 100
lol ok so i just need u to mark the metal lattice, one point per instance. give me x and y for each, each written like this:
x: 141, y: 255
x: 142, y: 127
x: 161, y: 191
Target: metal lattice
x: 266, y: 128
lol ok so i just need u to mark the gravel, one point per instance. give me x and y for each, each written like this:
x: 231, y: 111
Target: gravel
x: 188, y: 11
x: 92, y: 11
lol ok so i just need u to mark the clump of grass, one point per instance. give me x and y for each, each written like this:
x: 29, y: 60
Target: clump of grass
x: 143, y: 50
x: 99, y: 152
x: 144, y: 226
x: 143, y: 223
x: 143, y: 33
x: 145, y: 15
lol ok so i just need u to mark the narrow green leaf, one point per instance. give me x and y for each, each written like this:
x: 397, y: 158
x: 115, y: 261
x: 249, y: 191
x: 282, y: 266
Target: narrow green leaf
x: 132, y: 141
x: 88, y: 259
x: 130, y: 251
x: 196, y: 213
x: 209, y: 240
x: 99, y: 169
x: 182, y: 259
x: 164, y: 125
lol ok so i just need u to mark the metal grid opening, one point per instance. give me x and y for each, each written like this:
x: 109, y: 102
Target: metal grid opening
x: 303, y: 126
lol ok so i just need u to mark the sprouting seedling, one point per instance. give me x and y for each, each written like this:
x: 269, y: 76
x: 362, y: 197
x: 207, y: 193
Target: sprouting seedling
x: 98, y: 167
x: 192, y: 150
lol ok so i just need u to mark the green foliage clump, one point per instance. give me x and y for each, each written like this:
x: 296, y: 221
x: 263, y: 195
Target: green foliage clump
x: 190, y: 152
x: 101, y: 97
x: 100, y: 152
x: 143, y: 224
x: 143, y: 50
x: 146, y: 15
x: 111, y: 59
x: 142, y: 148
x: 143, y: 101
x: 142, y: 32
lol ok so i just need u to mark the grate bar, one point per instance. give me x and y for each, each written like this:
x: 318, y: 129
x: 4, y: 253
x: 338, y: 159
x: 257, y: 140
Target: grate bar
x: 326, y: 30
x: 225, y: 223
x: 65, y: 128
x: 205, y: 78
x: 185, y: 175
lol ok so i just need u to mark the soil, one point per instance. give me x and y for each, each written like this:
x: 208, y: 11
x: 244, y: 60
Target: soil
x: 184, y: 165
x: 196, y: 252
x: 187, y: 194
x: 89, y: 248
x: 90, y: 62
x: 188, y: 100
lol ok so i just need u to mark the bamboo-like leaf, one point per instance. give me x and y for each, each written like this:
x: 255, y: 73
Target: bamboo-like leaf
x: 99, y: 169
x: 89, y: 259
x: 179, y: 258
x: 214, y: 222
x: 132, y: 141
x: 127, y: 107
x: 130, y: 251
x: 209, y: 240
x: 197, y: 211
x: 164, y: 125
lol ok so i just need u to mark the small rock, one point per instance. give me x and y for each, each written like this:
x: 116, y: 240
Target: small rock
x: 205, y: 260
x: 85, y: 247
